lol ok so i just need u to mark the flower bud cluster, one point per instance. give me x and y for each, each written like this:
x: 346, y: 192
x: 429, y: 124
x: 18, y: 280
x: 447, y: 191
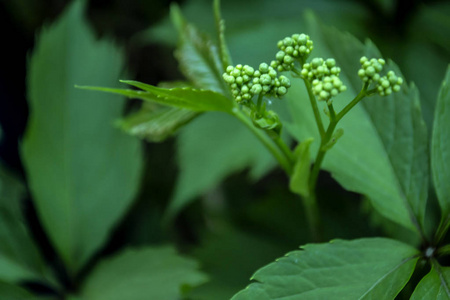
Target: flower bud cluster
x: 370, y: 72
x: 388, y: 84
x: 245, y: 82
x: 324, y: 75
x: 291, y: 48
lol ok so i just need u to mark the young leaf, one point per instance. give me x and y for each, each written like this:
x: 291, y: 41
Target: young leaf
x: 440, y: 147
x: 383, y: 153
x: 435, y: 285
x: 371, y: 268
x: 187, y: 98
x: 83, y: 173
x: 199, y: 58
x: 300, y: 177
x: 149, y: 273
x: 156, y: 125
x: 220, y: 27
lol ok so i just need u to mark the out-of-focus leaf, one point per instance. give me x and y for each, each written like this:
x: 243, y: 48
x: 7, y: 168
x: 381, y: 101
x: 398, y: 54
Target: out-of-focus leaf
x: 148, y: 273
x: 19, y: 257
x: 187, y: 98
x: 300, y: 177
x: 212, y: 147
x: 383, y: 154
x: 435, y: 285
x: 13, y: 292
x: 440, y: 147
x: 83, y: 172
x: 156, y: 125
x: 372, y: 268
x: 240, y: 254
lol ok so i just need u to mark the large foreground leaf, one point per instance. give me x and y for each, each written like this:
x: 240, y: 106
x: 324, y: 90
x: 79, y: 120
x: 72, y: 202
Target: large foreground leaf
x: 373, y: 268
x: 151, y: 273
x: 383, y: 153
x: 83, y: 172
x: 440, y: 147
x: 435, y: 285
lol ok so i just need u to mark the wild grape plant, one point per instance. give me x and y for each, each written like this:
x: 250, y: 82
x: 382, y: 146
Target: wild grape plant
x: 375, y: 268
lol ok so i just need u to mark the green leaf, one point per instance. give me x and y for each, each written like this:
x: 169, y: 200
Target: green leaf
x: 187, y: 98
x: 156, y: 125
x: 300, y: 177
x: 149, y: 273
x: 435, y: 285
x: 372, y: 268
x: 240, y: 254
x: 384, y: 152
x: 199, y: 58
x: 19, y: 256
x: 83, y: 173
x: 220, y: 27
x: 440, y: 147
x: 14, y: 292
x: 212, y: 147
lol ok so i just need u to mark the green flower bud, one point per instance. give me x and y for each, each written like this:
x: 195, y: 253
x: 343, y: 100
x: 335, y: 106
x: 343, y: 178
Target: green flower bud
x: 256, y: 89
x: 265, y: 79
x: 263, y: 68
x: 280, y: 55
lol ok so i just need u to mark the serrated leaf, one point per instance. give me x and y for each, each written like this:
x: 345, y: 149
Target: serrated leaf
x: 83, y: 173
x: 199, y: 58
x: 440, y: 147
x: 220, y: 27
x: 435, y: 285
x: 302, y: 168
x: 187, y: 98
x: 371, y: 268
x: 383, y: 153
x: 156, y: 125
x: 148, y: 273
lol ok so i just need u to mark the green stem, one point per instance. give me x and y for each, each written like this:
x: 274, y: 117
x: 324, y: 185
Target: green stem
x: 273, y: 147
x: 285, y: 149
x: 322, y: 150
x: 355, y: 101
x: 312, y: 100
x: 258, y: 103
x: 312, y: 216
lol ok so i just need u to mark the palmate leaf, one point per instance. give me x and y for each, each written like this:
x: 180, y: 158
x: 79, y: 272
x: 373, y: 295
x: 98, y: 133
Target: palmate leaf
x: 371, y: 268
x: 383, y: 154
x: 148, y: 273
x: 440, y: 147
x: 83, y: 173
x: 155, y: 125
x: 435, y: 285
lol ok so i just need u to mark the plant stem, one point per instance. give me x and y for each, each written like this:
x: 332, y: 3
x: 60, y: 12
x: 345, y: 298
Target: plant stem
x: 355, y: 101
x: 322, y: 149
x: 313, y: 102
x: 274, y: 147
x: 312, y: 216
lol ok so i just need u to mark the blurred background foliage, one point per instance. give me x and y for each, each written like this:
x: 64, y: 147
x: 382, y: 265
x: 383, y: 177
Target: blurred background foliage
x: 244, y: 216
